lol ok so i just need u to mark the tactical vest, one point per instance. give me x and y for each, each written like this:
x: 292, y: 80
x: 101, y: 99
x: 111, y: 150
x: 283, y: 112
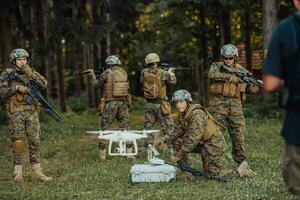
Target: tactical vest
x: 228, y: 89
x: 152, y: 85
x: 211, y: 126
x: 116, y: 85
x: 16, y: 102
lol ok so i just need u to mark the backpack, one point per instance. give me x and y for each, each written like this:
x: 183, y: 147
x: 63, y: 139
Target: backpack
x: 151, y: 84
x: 120, y: 85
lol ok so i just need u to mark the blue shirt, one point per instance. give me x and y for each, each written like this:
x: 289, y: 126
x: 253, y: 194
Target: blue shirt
x: 283, y: 61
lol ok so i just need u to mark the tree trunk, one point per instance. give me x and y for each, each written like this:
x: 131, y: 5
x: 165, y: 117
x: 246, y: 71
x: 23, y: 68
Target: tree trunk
x: 47, y: 6
x: 204, y: 84
x: 5, y: 33
x: 225, y: 37
x: 269, y: 20
x: 247, y: 30
x: 60, y: 78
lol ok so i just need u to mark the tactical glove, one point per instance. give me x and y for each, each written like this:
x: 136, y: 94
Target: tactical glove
x: 28, y: 71
x: 22, y: 89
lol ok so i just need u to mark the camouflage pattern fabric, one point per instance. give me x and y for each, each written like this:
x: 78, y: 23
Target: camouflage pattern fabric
x: 188, y: 139
x: 114, y: 110
x: 21, y: 124
x: 153, y: 110
x: 152, y: 115
x: 228, y: 112
x: 167, y: 77
x: 24, y: 122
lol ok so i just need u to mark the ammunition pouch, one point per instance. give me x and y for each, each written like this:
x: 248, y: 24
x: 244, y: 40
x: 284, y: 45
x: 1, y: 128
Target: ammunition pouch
x: 165, y: 106
x: 101, y: 105
x: 227, y: 89
x: 129, y: 100
x: 13, y: 107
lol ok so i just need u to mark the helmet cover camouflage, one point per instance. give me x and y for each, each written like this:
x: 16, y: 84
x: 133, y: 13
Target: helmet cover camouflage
x: 18, y: 53
x: 229, y: 50
x: 112, y: 60
x: 152, y: 58
x: 181, y: 95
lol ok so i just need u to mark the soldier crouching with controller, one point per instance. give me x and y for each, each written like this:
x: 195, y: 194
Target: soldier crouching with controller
x: 22, y: 117
x: 196, y: 132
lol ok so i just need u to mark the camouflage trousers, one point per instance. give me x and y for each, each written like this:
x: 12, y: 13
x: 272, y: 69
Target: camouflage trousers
x: 114, y: 110
x: 21, y: 124
x: 152, y: 115
x: 291, y: 169
x: 229, y: 113
x: 211, y: 152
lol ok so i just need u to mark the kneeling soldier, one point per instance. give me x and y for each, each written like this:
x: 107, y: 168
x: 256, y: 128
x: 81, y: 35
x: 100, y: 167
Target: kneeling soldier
x: 196, y: 132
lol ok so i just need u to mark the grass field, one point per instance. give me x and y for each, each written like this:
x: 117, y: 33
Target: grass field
x: 71, y: 157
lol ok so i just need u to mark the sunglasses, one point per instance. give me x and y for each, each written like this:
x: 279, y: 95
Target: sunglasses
x: 228, y: 58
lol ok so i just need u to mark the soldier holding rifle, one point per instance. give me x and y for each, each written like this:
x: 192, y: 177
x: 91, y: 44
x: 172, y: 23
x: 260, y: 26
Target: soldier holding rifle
x: 23, y: 119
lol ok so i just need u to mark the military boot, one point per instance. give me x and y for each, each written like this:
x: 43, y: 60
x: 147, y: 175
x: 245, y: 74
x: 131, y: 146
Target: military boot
x: 38, y: 174
x: 102, y: 154
x: 244, y: 170
x: 18, y: 172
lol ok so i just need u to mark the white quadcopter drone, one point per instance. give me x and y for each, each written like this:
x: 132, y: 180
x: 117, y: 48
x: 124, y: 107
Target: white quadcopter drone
x: 122, y: 138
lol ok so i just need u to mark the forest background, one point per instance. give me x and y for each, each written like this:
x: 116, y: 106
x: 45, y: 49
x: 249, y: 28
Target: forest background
x: 65, y: 37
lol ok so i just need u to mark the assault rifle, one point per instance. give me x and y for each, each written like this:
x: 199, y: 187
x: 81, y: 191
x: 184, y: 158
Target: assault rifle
x: 243, y: 76
x: 195, y: 172
x: 153, y: 159
x: 35, y: 96
x: 97, y: 72
x: 166, y: 66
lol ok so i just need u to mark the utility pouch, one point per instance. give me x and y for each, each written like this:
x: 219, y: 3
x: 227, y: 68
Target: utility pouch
x: 226, y: 89
x: 101, y: 105
x: 165, y: 107
x: 233, y: 90
x: 7, y: 110
x: 216, y: 88
x: 243, y: 87
x: 129, y: 100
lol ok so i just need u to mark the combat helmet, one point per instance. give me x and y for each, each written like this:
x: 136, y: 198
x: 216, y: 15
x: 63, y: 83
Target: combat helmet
x: 152, y: 58
x: 18, y: 53
x: 181, y: 95
x: 229, y: 50
x: 112, y: 60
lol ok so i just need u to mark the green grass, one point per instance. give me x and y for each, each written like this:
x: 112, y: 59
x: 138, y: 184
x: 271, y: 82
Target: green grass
x: 71, y: 157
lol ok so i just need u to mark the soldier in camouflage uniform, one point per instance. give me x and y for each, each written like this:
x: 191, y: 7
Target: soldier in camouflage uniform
x: 22, y: 117
x: 196, y: 132
x: 227, y: 92
x: 157, y: 108
x: 116, y: 99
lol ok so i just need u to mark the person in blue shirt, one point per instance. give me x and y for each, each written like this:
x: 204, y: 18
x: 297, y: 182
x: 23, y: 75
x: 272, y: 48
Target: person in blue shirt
x: 282, y: 68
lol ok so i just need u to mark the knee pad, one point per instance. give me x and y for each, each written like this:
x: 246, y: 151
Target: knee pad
x: 18, y: 146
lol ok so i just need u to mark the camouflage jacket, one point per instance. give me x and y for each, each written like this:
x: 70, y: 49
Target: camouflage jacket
x: 7, y: 89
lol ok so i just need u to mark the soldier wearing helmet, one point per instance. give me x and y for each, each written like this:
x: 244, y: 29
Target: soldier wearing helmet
x: 116, y: 99
x: 227, y: 92
x: 196, y: 132
x: 23, y: 120
x: 157, y: 108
